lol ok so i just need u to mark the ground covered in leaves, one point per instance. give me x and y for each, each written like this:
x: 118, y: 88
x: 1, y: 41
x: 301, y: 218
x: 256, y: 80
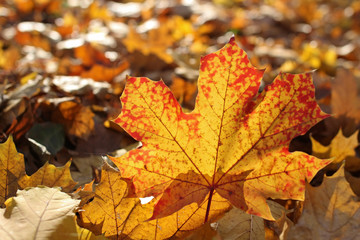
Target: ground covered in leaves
x: 63, y: 68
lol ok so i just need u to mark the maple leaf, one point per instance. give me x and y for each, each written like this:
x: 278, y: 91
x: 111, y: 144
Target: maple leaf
x: 340, y: 148
x: 117, y: 217
x: 110, y: 212
x: 51, y: 176
x: 12, y: 168
x: 231, y: 144
x: 331, y: 211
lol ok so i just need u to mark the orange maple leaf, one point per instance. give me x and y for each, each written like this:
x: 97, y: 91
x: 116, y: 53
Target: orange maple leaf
x: 234, y: 144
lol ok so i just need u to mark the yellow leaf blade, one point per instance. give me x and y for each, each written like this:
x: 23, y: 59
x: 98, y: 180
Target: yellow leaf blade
x: 12, y: 167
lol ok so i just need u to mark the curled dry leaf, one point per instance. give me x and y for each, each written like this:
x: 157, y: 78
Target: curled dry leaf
x: 234, y: 144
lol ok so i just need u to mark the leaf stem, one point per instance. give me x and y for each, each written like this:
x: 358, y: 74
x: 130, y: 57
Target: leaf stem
x: 208, y: 205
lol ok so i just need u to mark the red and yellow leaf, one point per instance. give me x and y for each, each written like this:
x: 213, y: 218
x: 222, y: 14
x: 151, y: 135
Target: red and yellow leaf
x: 234, y: 143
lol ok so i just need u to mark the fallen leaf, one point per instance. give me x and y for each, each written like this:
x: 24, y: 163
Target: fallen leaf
x: 235, y: 142
x: 89, y: 55
x: 117, y: 217
x: 85, y: 234
x: 84, y: 166
x: 104, y: 73
x: 184, y: 91
x: 85, y: 193
x: 24, y: 6
x: 77, y: 119
x: 50, y: 176
x: 22, y: 123
x: 354, y: 182
x: 279, y: 228
x: 345, y: 100
x: 151, y: 44
x: 12, y: 167
x: 339, y: 149
x: 39, y: 213
x: 34, y: 38
x: 81, y: 86
x: 238, y: 225
x: 9, y: 57
x: 51, y: 135
x: 331, y: 211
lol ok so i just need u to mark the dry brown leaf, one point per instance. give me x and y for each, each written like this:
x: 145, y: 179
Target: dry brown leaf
x: 22, y: 123
x: 236, y: 224
x: 354, y: 182
x: 331, y: 211
x: 345, y: 101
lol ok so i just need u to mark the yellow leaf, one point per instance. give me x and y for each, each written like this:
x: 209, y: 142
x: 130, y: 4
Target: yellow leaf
x: 110, y: 212
x: 12, y: 167
x: 117, y: 217
x: 339, y: 148
x: 50, y: 176
x: 85, y: 234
